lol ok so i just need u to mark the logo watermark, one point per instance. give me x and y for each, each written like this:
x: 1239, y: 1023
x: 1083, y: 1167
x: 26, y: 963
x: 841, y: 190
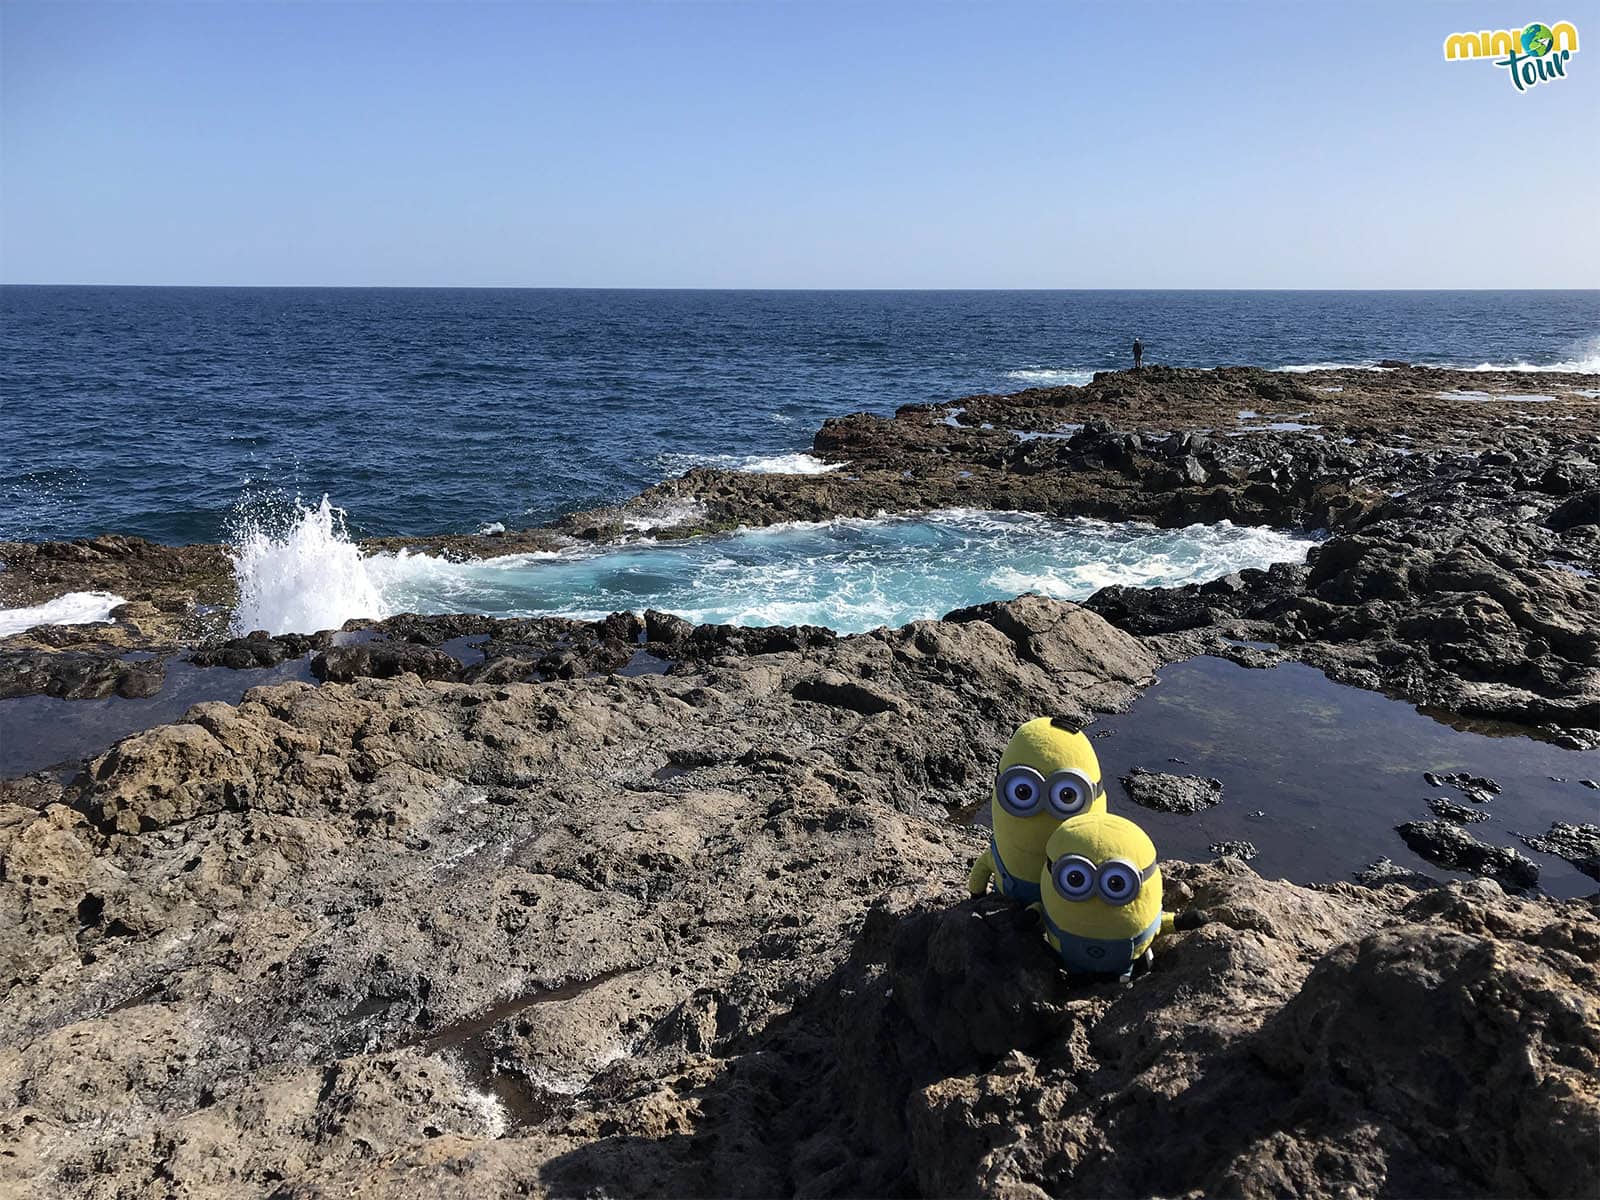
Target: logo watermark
x: 1534, y: 54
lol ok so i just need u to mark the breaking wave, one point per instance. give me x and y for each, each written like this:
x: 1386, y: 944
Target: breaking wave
x: 298, y: 571
x: 849, y: 574
x: 1585, y: 360
x: 1053, y: 376
x: 754, y: 464
x: 75, y: 608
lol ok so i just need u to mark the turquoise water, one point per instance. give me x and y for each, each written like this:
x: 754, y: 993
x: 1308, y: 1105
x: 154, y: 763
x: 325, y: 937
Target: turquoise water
x: 848, y: 574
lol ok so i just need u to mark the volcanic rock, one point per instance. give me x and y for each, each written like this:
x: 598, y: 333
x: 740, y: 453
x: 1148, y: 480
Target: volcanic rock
x: 1578, y: 844
x: 696, y: 934
x: 1244, y: 851
x: 1448, y: 845
x: 1172, y: 793
x: 1459, y: 813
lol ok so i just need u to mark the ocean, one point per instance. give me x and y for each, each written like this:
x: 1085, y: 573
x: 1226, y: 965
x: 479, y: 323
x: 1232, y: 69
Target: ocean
x: 206, y: 414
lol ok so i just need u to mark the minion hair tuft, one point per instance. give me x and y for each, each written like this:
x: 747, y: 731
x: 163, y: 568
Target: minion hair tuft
x: 1070, y: 724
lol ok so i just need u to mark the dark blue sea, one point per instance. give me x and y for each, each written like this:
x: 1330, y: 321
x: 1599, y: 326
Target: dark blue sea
x: 154, y: 411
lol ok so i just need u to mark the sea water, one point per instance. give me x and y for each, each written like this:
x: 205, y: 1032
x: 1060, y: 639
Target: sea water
x: 150, y: 411
x: 848, y: 574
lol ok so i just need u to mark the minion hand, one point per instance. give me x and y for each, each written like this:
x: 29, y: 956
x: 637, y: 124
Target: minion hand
x: 1189, y: 918
x: 982, y: 871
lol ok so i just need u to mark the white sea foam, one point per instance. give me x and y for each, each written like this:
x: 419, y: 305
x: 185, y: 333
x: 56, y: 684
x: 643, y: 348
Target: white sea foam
x: 300, y: 573
x: 1588, y: 364
x: 664, y: 516
x: 1584, y: 360
x: 75, y: 608
x: 1301, y: 368
x: 492, y: 528
x: 850, y: 573
x: 797, y: 463
x: 1207, y: 552
x: 1033, y: 435
x: 789, y: 464
x: 1053, y: 376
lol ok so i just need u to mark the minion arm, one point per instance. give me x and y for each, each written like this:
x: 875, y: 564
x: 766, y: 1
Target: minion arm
x: 982, y: 871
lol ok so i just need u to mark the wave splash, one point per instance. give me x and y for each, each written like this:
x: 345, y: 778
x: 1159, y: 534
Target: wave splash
x: 1054, y: 376
x: 1585, y: 361
x: 75, y: 608
x: 795, y: 463
x: 298, y: 571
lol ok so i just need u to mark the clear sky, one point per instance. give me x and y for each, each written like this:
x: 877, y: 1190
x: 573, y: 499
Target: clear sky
x: 755, y: 144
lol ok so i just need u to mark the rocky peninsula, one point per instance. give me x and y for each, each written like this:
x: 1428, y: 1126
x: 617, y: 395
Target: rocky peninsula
x: 544, y: 907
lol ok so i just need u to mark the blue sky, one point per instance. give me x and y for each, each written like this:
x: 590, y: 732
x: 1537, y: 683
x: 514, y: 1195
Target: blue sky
x: 790, y: 145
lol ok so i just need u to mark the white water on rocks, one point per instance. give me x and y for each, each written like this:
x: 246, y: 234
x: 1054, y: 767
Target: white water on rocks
x: 300, y: 573
x: 75, y: 608
x: 848, y: 574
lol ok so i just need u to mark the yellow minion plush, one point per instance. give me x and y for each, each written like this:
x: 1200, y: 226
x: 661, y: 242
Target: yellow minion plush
x: 1101, y: 892
x: 1048, y: 773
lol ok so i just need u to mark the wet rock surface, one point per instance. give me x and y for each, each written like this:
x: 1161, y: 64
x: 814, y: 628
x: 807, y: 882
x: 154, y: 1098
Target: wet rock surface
x: 1446, y: 844
x: 1578, y: 844
x: 1242, y: 850
x: 705, y: 932
x: 1172, y: 793
x: 1461, y: 814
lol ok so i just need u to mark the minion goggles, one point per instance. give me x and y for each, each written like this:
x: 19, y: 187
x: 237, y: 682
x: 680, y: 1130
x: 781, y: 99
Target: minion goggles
x: 1117, y: 881
x: 1023, y: 792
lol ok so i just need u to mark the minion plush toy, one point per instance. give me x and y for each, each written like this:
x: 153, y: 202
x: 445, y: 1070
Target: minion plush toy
x: 1101, y: 894
x: 1048, y: 773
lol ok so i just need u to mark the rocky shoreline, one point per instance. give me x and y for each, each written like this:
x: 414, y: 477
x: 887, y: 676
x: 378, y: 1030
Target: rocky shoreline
x: 1463, y: 515
x: 637, y: 908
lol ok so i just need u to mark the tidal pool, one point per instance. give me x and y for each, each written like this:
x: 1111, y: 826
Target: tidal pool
x: 1317, y: 774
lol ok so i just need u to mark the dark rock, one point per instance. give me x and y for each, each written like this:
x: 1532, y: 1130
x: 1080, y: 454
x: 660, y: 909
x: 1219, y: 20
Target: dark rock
x: 1172, y: 793
x: 1448, y: 845
x: 257, y: 650
x: 383, y: 660
x: 1474, y: 787
x: 1386, y: 871
x: 1578, y: 844
x: 829, y: 687
x: 1576, y: 511
x: 1459, y: 813
x: 1239, y: 849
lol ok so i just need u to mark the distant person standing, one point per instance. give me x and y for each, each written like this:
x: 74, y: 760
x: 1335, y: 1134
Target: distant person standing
x: 1138, y: 354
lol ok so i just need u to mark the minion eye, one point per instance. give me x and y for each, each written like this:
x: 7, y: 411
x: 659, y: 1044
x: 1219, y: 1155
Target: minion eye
x: 1021, y: 791
x: 1069, y: 792
x: 1073, y: 877
x: 1119, y: 882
